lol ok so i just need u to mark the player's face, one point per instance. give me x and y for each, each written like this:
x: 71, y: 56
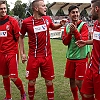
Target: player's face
x: 3, y: 10
x: 74, y: 14
x: 94, y: 14
x: 42, y: 8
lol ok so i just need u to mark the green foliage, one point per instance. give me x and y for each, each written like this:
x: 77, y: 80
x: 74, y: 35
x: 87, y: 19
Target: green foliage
x: 19, y: 9
x: 84, y: 13
x: 8, y: 8
x: 49, y: 12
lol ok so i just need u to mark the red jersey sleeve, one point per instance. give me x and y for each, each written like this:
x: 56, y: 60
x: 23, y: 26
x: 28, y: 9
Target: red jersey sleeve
x: 15, y: 27
x: 66, y: 38
x: 51, y: 24
x: 83, y: 34
x: 23, y: 28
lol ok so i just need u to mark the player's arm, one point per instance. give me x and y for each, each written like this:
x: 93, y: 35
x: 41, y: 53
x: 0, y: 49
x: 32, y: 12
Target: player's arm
x: 57, y: 26
x: 66, y: 38
x: 81, y: 43
x: 21, y: 44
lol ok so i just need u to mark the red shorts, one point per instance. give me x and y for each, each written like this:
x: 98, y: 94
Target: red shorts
x: 9, y: 65
x: 76, y: 68
x: 91, y: 84
x: 44, y: 63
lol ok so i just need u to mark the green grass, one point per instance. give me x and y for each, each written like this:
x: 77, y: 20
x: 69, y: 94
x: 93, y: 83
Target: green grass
x: 61, y: 84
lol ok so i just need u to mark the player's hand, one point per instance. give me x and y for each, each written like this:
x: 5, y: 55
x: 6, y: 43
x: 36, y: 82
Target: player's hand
x: 80, y: 43
x: 63, y: 21
x: 72, y: 27
x: 23, y: 58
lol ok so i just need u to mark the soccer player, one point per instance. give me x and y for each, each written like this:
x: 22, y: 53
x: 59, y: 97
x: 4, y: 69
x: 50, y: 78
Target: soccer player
x: 76, y: 57
x: 9, y: 35
x: 39, y: 56
x: 91, y: 83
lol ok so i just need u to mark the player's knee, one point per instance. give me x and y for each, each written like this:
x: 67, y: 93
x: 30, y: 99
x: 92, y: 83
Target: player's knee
x: 32, y: 82
x: 78, y: 83
x: 13, y: 79
x: 48, y: 82
x: 5, y: 76
x: 87, y: 96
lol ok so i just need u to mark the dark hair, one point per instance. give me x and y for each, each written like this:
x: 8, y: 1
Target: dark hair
x: 93, y: 1
x: 36, y: 1
x: 96, y: 3
x: 2, y: 1
x: 72, y: 7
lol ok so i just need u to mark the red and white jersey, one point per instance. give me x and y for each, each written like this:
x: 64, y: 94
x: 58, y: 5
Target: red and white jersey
x: 7, y: 43
x: 38, y: 34
x: 95, y: 59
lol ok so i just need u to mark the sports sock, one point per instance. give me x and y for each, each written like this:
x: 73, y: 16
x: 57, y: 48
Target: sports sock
x: 91, y: 98
x: 31, y: 91
x: 75, y: 93
x: 50, y: 92
x: 19, y: 85
x: 6, y: 82
x: 83, y: 98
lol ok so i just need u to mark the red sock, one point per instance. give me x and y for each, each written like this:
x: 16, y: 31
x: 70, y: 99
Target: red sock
x: 31, y: 92
x: 75, y: 93
x: 92, y: 98
x: 83, y: 98
x: 50, y: 92
x: 6, y: 82
x: 19, y: 85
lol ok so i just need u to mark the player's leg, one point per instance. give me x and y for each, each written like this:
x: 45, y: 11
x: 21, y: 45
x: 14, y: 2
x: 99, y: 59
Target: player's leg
x: 87, y: 88
x: 70, y: 73
x: 50, y: 89
x: 13, y: 72
x: 81, y: 66
x: 47, y: 72
x: 6, y: 82
x: 4, y: 71
x: 74, y: 88
x: 32, y: 71
x: 31, y: 89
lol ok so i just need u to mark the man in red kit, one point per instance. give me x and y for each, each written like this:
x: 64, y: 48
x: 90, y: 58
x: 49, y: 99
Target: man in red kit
x: 9, y: 35
x: 76, y: 57
x: 39, y: 56
x: 91, y: 84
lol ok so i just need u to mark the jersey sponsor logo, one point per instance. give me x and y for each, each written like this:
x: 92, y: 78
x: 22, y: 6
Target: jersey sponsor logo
x: 40, y: 28
x: 3, y: 33
x: 96, y: 35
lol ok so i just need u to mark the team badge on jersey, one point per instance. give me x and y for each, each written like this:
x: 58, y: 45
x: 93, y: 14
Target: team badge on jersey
x: 96, y: 35
x: 8, y: 27
x: 3, y: 33
x: 27, y: 73
x: 40, y: 28
x: 47, y: 22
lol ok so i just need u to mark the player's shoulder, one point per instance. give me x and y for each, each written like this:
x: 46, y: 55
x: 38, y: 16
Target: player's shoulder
x: 13, y: 19
x: 46, y: 17
x: 28, y: 19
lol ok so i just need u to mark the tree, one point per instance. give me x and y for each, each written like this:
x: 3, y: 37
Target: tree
x: 19, y: 9
x: 8, y: 8
x: 84, y: 13
x: 49, y: 12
